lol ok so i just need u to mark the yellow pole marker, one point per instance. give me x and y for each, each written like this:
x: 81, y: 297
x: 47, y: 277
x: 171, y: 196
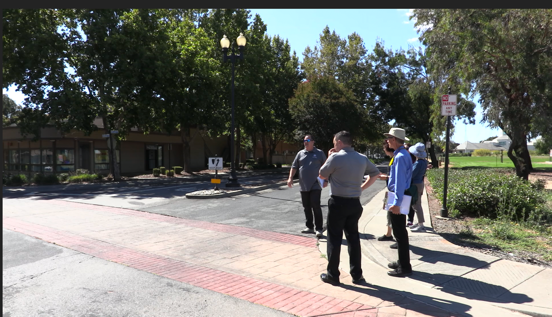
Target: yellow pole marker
x: 215, y: 181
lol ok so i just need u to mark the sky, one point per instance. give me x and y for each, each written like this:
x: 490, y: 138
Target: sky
x: 302, y: 28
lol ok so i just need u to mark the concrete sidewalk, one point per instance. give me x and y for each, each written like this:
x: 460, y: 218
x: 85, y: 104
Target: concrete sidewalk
x: 279, y: 271
x: 451, y: 277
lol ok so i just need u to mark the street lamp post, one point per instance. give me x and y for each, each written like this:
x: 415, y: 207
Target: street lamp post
x: 225, y: 43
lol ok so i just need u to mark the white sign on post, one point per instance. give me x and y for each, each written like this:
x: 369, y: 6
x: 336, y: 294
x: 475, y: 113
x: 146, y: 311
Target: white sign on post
x: 215, y: 163
x: 550, y: 153
x: 448, y: 105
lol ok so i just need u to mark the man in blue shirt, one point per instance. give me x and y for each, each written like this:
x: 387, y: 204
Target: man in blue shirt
x: 400, y: 177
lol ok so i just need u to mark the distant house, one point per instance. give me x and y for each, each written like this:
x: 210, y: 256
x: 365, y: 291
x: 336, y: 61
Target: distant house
x: 500, y: 143
x: 469, y: 147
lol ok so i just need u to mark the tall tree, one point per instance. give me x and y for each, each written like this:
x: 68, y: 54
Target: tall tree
x: 10, y: 110
x: 322, y: 107
x: 75, y: 65
x: 505, y: 56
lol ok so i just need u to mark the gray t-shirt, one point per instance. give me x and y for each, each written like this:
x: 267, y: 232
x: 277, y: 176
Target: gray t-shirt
x: 308, y: 164
x: 345, y: 170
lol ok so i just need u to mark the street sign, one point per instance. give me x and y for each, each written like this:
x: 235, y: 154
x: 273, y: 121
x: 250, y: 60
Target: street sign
x: 114, y: 131
x: 215, y: 163
x: 448, y: 105
x: 105, y: 135
x: 215, y: 180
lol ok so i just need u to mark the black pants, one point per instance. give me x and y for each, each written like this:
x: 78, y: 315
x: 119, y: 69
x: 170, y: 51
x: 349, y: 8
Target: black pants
x: 343, y: 216
x: 398, y: 224
x: 311, y: 206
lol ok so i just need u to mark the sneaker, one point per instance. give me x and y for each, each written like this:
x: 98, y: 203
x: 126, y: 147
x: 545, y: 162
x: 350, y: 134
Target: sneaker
x: 399, y: 272
x: 307, y: 230
x: 360, y: 280
x: 393, y: 265
x: 409, y: 224
x: 417, y: 229
x: 385, y: 238
x: 319, y: 234
x: 394, y: 246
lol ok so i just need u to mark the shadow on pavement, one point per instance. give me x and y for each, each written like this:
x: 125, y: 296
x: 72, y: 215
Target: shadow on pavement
x: 431, y: 256
x: 403, y: 299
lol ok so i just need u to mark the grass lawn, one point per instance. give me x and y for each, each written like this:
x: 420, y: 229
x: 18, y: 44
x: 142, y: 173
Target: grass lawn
x: 493, y: 161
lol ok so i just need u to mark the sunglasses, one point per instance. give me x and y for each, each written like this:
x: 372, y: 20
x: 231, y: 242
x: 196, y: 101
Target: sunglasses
x: 308, y: 140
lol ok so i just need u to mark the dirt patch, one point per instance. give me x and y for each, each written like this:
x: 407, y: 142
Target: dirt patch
x: 546, y: 176
x: 451, y: 229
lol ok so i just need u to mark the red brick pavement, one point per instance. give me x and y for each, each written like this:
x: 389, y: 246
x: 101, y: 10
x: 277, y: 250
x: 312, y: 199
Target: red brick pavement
x: 259, y: 272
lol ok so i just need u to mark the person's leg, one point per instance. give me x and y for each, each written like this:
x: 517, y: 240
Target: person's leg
x: 316, y: 209
x: 336, y: 222
x: 418, y: 205
x: 353, y: 237
x: 305, y: 198
x: 411, y: 215
x: 401, y: 235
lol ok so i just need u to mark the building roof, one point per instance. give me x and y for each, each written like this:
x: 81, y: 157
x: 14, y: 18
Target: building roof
x: 467, y: 146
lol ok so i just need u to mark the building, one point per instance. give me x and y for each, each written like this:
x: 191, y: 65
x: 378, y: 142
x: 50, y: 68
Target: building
x: 56, y: 152
x: 469, y: 147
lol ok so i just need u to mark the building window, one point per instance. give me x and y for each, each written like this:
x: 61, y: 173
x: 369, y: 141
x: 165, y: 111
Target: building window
x: 101, y: 160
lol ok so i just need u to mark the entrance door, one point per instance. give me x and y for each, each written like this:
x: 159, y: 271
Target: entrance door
x: 151, y: 156
x: 84, y: 156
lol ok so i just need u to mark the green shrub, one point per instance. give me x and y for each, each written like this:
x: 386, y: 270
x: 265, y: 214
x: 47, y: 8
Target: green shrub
x: 84, y: 178
x: 17, y: 180
x: 178, y: 169
x: 487, y: 193
x: 481, y: 152
x: 63, y: 177
x: 155, y: 172
x: 169, y: 173
x: 162, y: 169
x: 41, y: 179
x: 80, y: 171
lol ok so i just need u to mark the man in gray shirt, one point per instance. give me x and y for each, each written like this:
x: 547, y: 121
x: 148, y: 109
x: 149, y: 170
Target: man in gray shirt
x: 308, y: 162
x: 345, y: 169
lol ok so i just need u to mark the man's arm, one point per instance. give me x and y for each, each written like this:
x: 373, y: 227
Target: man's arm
x: 292, y: 172
x: 369, y: 181
x: 400, y: 179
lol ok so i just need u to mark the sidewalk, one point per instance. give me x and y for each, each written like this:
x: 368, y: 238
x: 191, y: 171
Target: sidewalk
x: 279, y: 271
x: 451, y: 277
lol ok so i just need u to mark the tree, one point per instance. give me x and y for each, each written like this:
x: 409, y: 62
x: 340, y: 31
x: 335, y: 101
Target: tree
x: 10, y: 110
x: 543, y: 145
x: 405, y: 93
x: 347, y: 61
x: 323, y: 107
x: 503, y: 55
x: 75, y: 65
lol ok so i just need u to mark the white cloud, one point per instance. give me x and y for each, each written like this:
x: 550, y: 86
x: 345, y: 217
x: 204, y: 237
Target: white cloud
x: 408, y: 13
x: 414, y: 39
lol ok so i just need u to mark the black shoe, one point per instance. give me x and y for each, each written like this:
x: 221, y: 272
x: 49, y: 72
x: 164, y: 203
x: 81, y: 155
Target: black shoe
x: 393, y: 265
x: 394, y: 246
x: 359, y: 280
x: 398, y: 272
x: 327, y: 279
x: 385, y: 238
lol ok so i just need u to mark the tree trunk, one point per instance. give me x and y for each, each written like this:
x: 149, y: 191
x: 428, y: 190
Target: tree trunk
x: 434, y: 161
x: 111, y: 144
x: 519, y: 154
x: 186, y: 154
x: 254, y: 142
x: 263, y: 146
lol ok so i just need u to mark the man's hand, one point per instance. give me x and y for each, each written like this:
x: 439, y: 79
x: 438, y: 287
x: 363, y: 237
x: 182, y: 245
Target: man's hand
x: 382, y: 177
x: 290, y: 182
x: 332, y: 151
x: 396, y: 210
x: 325, y: 183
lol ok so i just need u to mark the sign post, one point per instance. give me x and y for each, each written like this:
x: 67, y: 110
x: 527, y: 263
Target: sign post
x: 215, y: 163
x: 448, y: 108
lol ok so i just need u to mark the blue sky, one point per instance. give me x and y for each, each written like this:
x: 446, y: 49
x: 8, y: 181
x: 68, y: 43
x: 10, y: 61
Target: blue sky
x: 302, y: 28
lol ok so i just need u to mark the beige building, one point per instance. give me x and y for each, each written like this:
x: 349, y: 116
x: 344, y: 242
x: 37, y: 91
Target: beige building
x: 137, y: 154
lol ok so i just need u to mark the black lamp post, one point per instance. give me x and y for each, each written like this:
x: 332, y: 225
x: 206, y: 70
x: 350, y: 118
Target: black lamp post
x: 225, y: 43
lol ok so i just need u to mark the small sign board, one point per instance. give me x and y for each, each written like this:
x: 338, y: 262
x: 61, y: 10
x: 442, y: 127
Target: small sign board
x: 215, y: 163
x: 215, y: 180
x: 114, y: 131
x: 550, y: 153
x: 448, y: 105
x: 105, y: 135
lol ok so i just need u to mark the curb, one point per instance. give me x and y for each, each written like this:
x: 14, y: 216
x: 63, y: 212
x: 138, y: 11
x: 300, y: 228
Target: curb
x: 234, y: 192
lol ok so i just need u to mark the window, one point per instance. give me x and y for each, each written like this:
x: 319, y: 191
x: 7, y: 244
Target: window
x: 101, y: 160
x: 65, y: 156
x: 25, y: 156
x: 47, y: 156
x: 14, y: 157
x: 160, y: 155
x: 35, y: 156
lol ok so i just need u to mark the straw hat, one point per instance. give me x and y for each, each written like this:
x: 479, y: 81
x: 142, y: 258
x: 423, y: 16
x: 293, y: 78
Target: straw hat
x: 398, y: 133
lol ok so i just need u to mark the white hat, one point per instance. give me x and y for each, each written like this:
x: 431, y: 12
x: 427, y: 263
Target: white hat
x: 398, y: 133
x: 418, y: 150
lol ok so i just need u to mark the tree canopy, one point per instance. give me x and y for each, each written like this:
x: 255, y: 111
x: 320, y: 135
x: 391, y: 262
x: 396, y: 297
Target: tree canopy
x: 505, y: 56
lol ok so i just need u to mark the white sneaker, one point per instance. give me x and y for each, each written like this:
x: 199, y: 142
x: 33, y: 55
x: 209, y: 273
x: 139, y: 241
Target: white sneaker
x: 319, y: 234
x: 418, y: 228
